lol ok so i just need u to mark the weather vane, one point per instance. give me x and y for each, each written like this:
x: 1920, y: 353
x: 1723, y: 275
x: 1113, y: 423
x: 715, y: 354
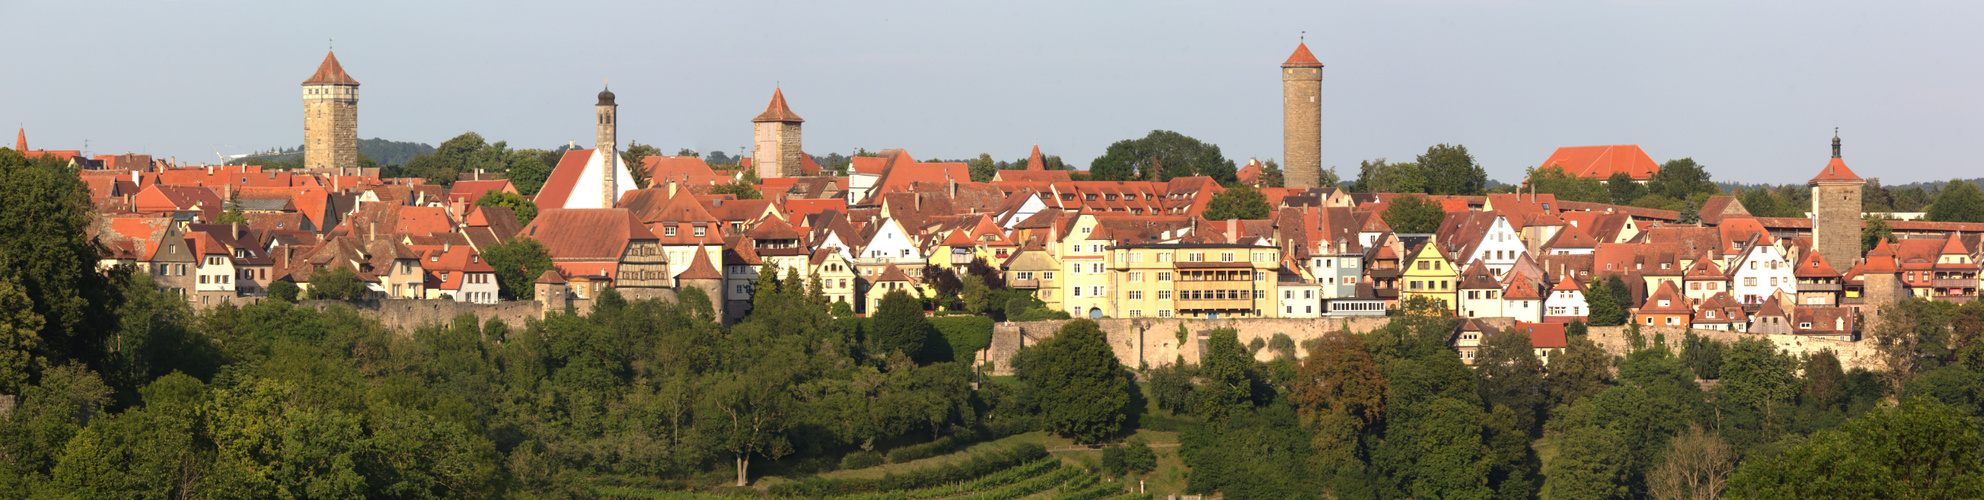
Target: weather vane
x: 1304, y: 38
x: 330, y: 43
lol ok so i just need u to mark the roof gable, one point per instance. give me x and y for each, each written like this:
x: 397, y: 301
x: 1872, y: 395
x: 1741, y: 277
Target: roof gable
x: 330, y: 72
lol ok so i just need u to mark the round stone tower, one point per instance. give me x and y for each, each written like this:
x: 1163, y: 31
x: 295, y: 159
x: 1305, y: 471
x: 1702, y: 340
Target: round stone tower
x: 1301, y: 119
x: 1836, y: 210
x: 330, y: 117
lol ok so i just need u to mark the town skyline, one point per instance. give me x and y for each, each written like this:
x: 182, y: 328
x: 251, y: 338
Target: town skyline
x: 1754, y: 105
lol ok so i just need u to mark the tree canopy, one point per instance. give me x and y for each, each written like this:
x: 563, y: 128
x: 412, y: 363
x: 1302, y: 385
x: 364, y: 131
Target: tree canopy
x: 1413, y: 214
x: 1238, y: 202
x: 525, y: 210
x: 1161, y: 156
x: 518, y: 263
x: 1082, y: 390
x: 1960, y: 201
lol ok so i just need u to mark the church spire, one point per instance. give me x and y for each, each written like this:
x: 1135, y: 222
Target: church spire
x: 1835, y: 142
x: 21, y: 141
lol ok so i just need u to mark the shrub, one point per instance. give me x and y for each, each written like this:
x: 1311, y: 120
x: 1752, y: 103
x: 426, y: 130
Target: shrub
x: 964, y: 334
x: 860, y: 460
x: 977, y: 466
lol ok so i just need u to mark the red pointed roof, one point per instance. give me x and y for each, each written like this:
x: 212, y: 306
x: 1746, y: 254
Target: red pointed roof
x: 1033, y: 162
x: 892, y: 273
x: 777, y: 111
x: 1836, y: 171
x: 700, y: 268
x: 21, y: 141
x: 1814, y: 265
x: 1302, y: 58
x: 1521, y: 290
x: 550, y: 277
x: 330, y: 73
x: 1675, y: 304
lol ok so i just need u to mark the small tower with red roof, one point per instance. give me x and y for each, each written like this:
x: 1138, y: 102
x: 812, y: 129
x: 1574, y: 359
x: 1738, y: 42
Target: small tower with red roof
x: 1836, y: 210
x: 1301, y: 119
x: 776, y: 135
x: 330, y: 117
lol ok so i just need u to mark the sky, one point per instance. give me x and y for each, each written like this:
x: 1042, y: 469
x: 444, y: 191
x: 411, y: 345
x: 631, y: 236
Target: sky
x: 1752, y: 90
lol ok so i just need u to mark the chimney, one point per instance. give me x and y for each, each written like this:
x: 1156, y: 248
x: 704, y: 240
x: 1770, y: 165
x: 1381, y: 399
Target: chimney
x: 445, y: 246
x: 372, y: 231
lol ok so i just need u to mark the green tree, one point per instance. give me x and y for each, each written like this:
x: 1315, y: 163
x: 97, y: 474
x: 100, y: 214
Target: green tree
x: 1583, y: 371
x: 977, y: 297
x: 1511, y: 375
x: 1873, y: 232
x: 525, y: 210
x: 48, y: 415
x: 1624, y: 189
x: 336, y: 282
x: 1451, y: 461
x: 983, y: 168
x: 1921, y: 449
x: 899, y: 325
x: 1271, y: 175
x: 148, y: 452
x: 1960, y: 201
x: 1603, y: 297
x: 1680, y: 180
x: 19, y: 336
x: 1161, y: 156
x: 1450, y: 170
x: 743, y: 190
x: 283, y: 291
x: 1412, y: 214
x: 518, y: 263
x: 1591, y: 463
x: 633, y: 156
x: 1239, y: 202
x: 530, y: 169
x: 1377, y: 176
x: 1226, y: 376
x: 46, y: 249
x: 1553, y: 180
x: 1081, y: 388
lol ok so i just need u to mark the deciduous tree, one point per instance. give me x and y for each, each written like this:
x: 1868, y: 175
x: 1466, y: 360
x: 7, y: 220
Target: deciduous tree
x: 518, y: 263
x: 1239, y: 202
x: 1412, y: 214
x: 1081, y: 388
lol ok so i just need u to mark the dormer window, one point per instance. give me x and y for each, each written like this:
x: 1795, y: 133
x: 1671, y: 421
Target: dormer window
x: 1663, y: 302
x: 668, y: 231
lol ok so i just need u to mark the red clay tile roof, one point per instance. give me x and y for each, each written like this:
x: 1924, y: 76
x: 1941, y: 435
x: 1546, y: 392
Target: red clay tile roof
x: 423, y: 220
x: 1543, y: 335
x: 330, y: 73
x: 1836, y: 171
x: 1034, y: 162
x: 1600, y: 162
x: 1302, y: 58
x: 1522, y: 290
x: 595, y: 234
x: 1815, y: 266
x: 1676, y: 304
x: 564, y: 177
x: 891, y: 273
x: 700, y: 268
x: 777, y: 111
x: 550, y: 277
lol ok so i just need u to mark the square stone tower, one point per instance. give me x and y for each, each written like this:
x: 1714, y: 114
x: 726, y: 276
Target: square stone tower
x: 1836, y: 210
x: 1301, y: 119
x: 776, y: 134
x: 330, y: 117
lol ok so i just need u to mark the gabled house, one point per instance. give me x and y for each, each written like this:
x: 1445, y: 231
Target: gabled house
x: 1566, y: 302
x: 1665, y: 307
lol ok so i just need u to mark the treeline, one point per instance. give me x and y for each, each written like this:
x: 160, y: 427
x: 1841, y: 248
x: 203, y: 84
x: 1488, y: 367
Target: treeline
x: 373, y: 152
x: 1393, y: 413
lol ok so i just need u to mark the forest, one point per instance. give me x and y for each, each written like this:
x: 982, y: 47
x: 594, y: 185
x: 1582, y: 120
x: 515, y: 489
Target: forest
x: 122, y: 391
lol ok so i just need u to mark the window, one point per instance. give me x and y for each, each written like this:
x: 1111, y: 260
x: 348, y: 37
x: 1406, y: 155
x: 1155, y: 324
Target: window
x: 1226, y: 256
x: 1047, y: 294
x: 1163, y: 295
x: 1023, y: 275
x: 1750, y: 281
x: 1048, y: 275
x: 1163, y: 313
x: 1671, y: 320
x: 905, y: 252
x: 1086, y: 230
x: 1136, y: 313
x: 1308, y: 309
x: 1260, y: 256
x: 1195, y: 257
x: 1136, y: 295
x: 1078, y: 291
x: 1288, y: 294
x: 1260, y: 294
x: 1805, y: 324
x: 1695, y: 286
x: 1664, y: 302
x: 1136, y: 257
x: 1416, y: 284
x: 1308, y: 294
x: 1077, y: 269
x: 1164, y: 276
x: 1095, y: 267
x: 1096, y: 248
x: 1095, y: 291
x: 700, y: 231
x: 1164, y: 257
x: 1136, y: 277
x: 1425, y: 265
x: 668, y: 231
x: 1773, y: 281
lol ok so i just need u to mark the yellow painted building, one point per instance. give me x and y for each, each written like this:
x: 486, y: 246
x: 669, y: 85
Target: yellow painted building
x: 1195, y: 280
x: 1430, y: 273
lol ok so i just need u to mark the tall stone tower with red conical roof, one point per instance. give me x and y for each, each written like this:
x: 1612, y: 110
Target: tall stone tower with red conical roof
x: 1301, y: 119
x: 1836, y: 210
x: 330, y: 117
x: 776, y: 134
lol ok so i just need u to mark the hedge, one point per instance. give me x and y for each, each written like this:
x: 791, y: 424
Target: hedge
x: 974, y: 467
x: 965, y: 335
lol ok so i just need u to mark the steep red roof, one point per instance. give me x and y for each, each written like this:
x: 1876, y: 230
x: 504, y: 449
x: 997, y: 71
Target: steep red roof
x: 564, y: 177
x: 1675, y: 303
x: 21, y: 140
x: 1302, y: 58
x: 1521, y: 290
x: 1815, y: 266
x: 1543, y: 335
x: 1033, y: 162
x: 586, y: 234
x: 892, y: 273
x: 777, y: 111
x: 330, y: 73
x: 1600, y: 162
x: 551, y: 277
x: 700, y: 268
x: 1836, y: 171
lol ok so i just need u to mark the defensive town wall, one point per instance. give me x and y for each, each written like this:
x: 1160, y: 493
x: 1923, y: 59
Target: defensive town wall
x: 405, y: 315
x: 1152, y: 343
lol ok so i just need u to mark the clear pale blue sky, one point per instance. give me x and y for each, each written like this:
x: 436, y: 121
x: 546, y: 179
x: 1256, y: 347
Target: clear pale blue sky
x: 1750, y: 89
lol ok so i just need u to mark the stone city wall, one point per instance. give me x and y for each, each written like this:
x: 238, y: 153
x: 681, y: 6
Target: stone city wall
x: 1152, y: 343
x: 405, y: 315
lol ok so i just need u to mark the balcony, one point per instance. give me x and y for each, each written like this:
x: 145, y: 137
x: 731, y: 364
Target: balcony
x: 1852, y: 301
x: 1025, y: 284
x: 1819, y: 287
x: 1386, y: 293
x: 1383, y: 273
x: 1953, y: 283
